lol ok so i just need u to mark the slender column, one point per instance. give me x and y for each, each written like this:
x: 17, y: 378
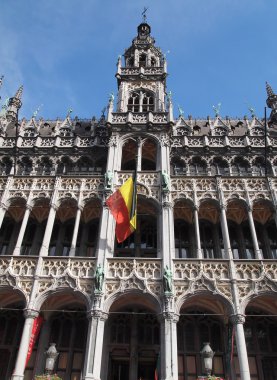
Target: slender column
x: 168, y: 349
x: 197, y: 234
x: 48, y: 231
x: 93, y: 359
x: 225, y: 233
x: 72, y: 251
x: 139, y: 153
x: 27, y: 213
x: 238, y: 320
x: 3, y: 209
x: 18, y: 374
x: 42, y: 347
x: 133, y: 367
x: 106, y: 236
x: 253, y: 234
x: 167, y: 233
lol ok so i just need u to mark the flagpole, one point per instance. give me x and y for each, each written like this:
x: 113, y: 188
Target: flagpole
x: 265, y: 142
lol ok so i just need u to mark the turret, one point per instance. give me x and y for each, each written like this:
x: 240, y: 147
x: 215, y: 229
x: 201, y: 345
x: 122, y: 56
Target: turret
x: 271, y: 102
x: 14, y: 105
x: 142, y: 81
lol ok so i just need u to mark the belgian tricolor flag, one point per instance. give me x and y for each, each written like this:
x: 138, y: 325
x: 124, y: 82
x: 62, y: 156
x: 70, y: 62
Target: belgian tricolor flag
x: 123, y: 204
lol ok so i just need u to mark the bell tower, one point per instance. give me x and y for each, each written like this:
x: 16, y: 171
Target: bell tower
x: 141, y: 77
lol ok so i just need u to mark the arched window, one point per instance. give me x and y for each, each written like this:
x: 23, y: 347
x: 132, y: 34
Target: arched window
x: 29, y: 236
x: 142, y: 242
x: 197, y: 166
x: 240, y: 167
x: 6, y: 166
x: 65, y: 166
x: 25, y: 166
x: 142, y: 60
x: 11, y: 326
x: 192, y: 332
x: 133, y: 330
x: 6, y: 232
x: 84, y: 165
x: 129, y: 153
x: 210, y: 239
x: 153, y: 62
x: 219, y: 166
x: 45, y: 167
x: 184, y: 234
x: 261, y: 337
x: 178, y: 166
x: 247, y: 241
x: 149, y: 155
x: 272, y: 239
x: 69, y: 331
x: 141, y: 101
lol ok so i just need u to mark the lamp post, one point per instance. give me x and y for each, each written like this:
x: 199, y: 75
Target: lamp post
x: 207, y: 355
x: 51, y: 357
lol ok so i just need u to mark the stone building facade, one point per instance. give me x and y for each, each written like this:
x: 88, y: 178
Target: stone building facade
x: 206, y: 213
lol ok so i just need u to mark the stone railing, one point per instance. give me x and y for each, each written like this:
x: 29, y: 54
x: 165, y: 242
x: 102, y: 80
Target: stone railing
x: 144, y: 268
x: 140, y: 118
x: 190, y: 269
x: 183, y: 269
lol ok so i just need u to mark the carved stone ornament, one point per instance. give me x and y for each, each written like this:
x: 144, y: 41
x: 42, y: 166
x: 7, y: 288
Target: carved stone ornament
x: 66, y: 281
x: 30, y: 313
x: 236, y: 319
x: 98, y: 314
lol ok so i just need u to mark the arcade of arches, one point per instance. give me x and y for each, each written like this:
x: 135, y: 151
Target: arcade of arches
x: 133, y: 335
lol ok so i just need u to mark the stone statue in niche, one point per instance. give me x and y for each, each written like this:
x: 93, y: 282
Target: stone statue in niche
x: 108, y: 180
x: 165, y: 181
x: 99, y: 278
x: 167, y: 280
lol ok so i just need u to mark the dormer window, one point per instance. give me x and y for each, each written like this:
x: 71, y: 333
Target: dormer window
x: 153, y: 62
x: 141, y: 101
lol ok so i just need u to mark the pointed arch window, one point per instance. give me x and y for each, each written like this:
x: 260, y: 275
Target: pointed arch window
x: 141, y: 101
x: 142, y: 60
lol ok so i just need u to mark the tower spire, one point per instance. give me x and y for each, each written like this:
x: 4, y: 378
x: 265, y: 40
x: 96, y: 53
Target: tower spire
x: 14, y: 105
x: 144, y: 16
x: 271, y: 102
x: 269, y: 90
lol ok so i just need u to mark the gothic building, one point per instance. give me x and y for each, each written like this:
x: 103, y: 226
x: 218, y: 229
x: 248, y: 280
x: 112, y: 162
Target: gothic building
x: 206, y: 213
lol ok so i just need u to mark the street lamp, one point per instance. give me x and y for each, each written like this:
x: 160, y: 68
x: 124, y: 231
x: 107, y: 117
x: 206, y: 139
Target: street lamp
x: 51, y: 357
x: 207, y: 355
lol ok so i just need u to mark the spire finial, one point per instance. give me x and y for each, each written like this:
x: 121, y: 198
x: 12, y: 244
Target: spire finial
x: 217, y: 109
x: 1, y: 80
x: 269, y: 90
x: 19, y: 92
x: 37, y: 111
x: 144, y: 16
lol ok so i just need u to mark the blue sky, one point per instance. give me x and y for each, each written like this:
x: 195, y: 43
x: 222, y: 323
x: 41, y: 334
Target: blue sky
x: 64, y: 52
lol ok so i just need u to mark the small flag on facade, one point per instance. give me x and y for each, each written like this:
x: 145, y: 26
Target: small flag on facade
x: 122, y: 205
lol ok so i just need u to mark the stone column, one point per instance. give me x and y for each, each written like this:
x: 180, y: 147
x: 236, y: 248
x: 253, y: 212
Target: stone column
x: 199, y: 252
x: 30, y: 315
x: 253, y: 234
x: 167, y: 232
x: 72, y: 251
x: 43, y: 345
x: 133, y: 366
x: 94, y: 347
x: 139, y: 154
x: 225, y: 232
x: 238, y: 320
x: 168, y: 348
x: 23, y: 226
x: 3, y: 209
x: 48, y: 231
